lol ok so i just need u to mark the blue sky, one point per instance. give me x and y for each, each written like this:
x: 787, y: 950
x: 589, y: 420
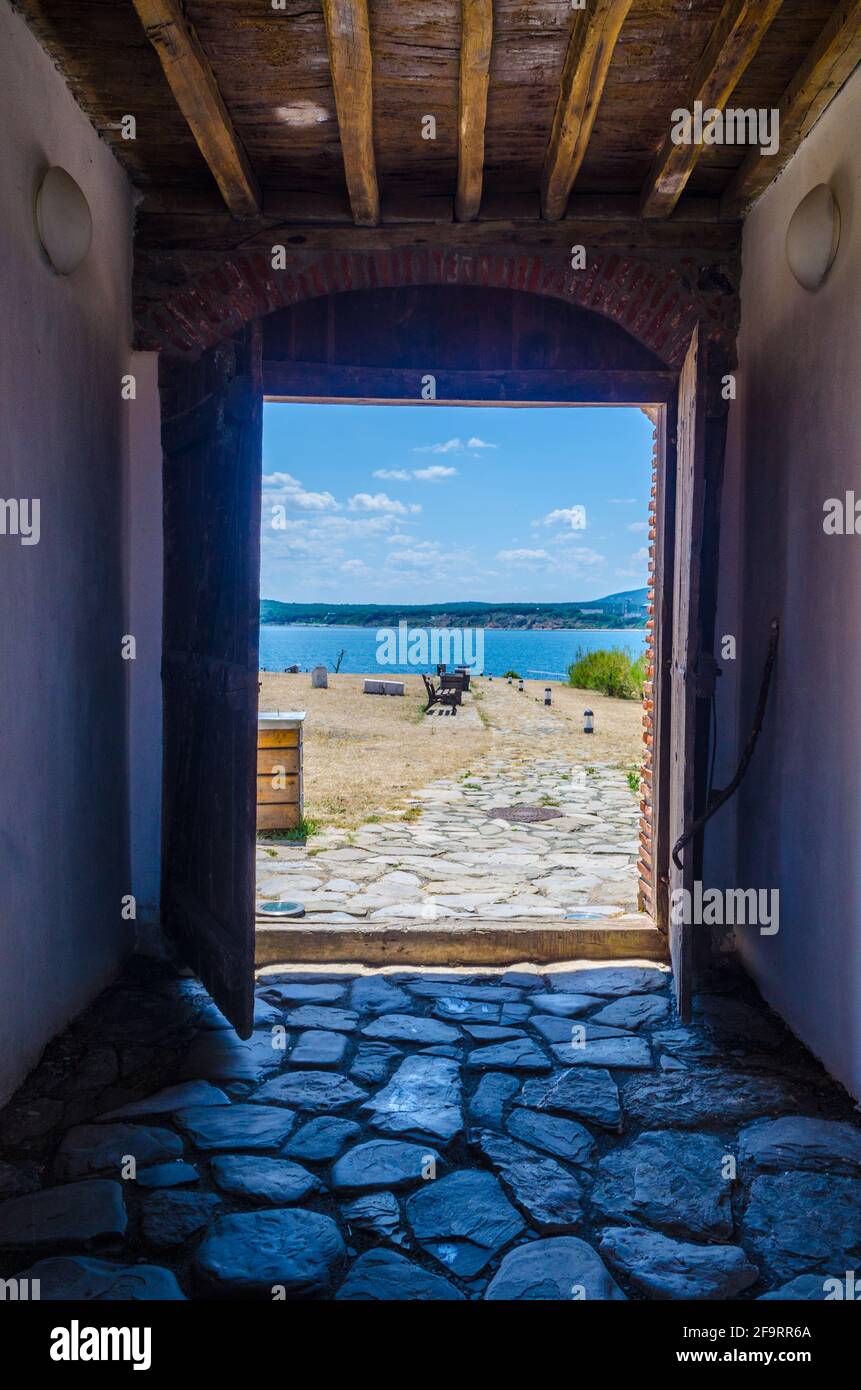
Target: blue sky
x: 414, y: 504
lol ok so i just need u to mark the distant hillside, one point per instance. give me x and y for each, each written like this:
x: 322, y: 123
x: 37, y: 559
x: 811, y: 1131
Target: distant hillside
x: 621, y: 610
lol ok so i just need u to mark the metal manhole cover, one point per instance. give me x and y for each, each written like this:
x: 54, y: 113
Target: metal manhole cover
x: 280, y: 910
x: 524, y: 813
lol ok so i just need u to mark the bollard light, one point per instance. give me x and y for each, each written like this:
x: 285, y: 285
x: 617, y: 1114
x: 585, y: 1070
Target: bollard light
x: 547, y: 695
x: 509, y: 680
x: 520, y: 684
x: 588, y: 722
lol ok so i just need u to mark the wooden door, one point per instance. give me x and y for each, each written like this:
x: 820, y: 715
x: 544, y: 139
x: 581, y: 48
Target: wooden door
x: 212, y: 445
x: 685, y: 652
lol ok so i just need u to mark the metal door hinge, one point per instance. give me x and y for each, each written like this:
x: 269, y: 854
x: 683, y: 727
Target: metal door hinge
x: 705, y: 676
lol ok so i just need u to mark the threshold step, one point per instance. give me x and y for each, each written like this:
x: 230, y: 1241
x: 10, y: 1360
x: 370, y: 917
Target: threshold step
x: 459, y: 943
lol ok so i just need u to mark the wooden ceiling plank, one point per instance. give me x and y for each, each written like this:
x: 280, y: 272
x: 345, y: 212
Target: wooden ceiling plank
x: 476, y: 43
x: 738, y: 33
x: 165, y: 234
x: 594, y: 32
x: 195, y: 90
x: 830, y: 62
x: 349, y: 36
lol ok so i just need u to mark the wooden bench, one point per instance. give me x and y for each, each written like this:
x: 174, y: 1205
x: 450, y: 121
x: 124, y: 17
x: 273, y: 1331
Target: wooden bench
x: 438, y: 696
x: 454, y: 680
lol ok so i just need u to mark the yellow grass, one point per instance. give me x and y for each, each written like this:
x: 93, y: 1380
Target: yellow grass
x: 366, y: 754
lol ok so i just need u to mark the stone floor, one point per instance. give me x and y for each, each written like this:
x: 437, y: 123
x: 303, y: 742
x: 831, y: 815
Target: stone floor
x: 457, y: 859
x: 549, y: 1134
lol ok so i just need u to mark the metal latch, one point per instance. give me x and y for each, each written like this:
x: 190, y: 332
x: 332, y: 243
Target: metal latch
x: 705, y: 676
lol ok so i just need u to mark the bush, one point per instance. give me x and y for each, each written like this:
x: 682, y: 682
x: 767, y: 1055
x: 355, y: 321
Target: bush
x: 612, y: 672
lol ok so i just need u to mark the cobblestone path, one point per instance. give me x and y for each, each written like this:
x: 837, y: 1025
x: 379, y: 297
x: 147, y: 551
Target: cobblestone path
x: 453, y: 857
x: 547, y: 1134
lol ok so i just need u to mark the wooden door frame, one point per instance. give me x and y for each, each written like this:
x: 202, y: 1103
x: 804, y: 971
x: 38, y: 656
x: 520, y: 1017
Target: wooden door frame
x: 715, y: 424
x: 665, y: 547
x: 301, y: 383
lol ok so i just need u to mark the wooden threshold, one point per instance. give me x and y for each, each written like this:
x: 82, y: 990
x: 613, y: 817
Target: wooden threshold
x: 459, y: 943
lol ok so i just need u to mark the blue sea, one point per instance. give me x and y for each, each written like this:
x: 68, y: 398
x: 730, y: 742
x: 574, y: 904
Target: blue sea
x: 531, y: 654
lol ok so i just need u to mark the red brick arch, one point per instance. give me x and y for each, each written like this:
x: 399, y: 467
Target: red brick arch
x: 655, y: 301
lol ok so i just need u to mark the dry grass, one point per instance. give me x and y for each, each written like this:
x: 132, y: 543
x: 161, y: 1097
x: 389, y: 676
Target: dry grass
x: 618, y: 736
x: 366, y: 753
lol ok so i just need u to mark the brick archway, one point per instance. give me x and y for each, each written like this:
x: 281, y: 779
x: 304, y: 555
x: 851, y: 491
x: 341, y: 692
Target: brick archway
x: 657, y: 302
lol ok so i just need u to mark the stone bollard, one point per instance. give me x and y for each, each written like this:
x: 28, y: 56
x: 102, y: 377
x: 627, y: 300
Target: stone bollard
x: 319, y: 678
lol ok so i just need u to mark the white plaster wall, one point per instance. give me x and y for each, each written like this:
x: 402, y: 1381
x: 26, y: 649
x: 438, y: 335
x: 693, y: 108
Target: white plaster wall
x: 64, y: 345
x: 794, y: 442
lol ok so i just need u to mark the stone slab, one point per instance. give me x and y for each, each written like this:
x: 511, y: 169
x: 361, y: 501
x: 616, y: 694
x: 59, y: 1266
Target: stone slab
x: 463, y: 1220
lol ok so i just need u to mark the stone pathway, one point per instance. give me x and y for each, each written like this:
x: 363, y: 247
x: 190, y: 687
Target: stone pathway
x: 538, y: 1133
x: 454, y: 858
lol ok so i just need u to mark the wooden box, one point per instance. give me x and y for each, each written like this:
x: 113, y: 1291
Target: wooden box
x: 279, y: 770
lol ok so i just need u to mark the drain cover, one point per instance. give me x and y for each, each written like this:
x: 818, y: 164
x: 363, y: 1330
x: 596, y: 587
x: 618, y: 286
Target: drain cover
x: 280, y: 910
x: 585, y: 914
x: 524, y: 813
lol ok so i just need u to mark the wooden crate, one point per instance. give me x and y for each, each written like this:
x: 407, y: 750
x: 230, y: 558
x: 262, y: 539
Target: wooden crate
x: 280, y: 801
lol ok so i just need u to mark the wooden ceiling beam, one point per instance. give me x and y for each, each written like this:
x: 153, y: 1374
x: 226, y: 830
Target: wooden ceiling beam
x: 739, y: 31
x: 187, y: 235
x: 399, y: 205
x: 832, y: 59
x: 195, y: 90
x: 594, y: 32
x: 475, y: 46
x: 349, y: 35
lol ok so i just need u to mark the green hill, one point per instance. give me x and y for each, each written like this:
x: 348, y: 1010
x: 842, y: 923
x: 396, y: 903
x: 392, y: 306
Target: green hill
x: 626, y: 609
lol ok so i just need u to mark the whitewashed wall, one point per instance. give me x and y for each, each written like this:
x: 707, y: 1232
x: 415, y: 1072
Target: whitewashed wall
x: 64, y: 346
x: 794, y: 441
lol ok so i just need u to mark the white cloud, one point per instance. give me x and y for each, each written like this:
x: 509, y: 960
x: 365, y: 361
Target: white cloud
x: 581, y: 557
x: 450, y: 446
x: 575, y: 517
x: 454, y: 446
x: 521, y: 557
x: 622, y: 501
x: 642, y: 554
x: 434, y: 474
x: 380, y: 502
x: 397, y: 475
x: 284, y: 488
x: 430, y: 556
x: 638, y: 526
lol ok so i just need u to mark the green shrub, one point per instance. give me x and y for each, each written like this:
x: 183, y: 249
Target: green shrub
x: 638, y: 675
x: 612, y: 672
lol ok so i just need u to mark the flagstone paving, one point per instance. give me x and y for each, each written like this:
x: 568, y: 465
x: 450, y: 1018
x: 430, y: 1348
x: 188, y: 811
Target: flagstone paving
x: 408, y: 1157
x: 457, y: 859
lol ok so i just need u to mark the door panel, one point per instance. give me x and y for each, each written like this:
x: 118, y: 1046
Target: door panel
x: 686, y: 642
x: 212, y: 446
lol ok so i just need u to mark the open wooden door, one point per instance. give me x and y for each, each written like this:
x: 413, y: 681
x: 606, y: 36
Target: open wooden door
x: 212, y: 444
x: 685, y: 652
